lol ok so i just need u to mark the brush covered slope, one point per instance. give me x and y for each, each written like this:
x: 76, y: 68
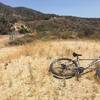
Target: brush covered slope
x: 49, y: 25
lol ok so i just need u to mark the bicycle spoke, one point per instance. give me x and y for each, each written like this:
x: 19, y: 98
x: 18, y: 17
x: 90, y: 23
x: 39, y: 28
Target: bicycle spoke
x: 63, y: 68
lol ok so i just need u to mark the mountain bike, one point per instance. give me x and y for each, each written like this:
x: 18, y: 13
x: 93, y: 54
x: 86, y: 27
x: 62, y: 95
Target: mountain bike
x: 67, y: 68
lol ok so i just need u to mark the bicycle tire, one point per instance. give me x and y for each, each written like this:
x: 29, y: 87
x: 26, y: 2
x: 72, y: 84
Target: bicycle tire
x: 67, y: 73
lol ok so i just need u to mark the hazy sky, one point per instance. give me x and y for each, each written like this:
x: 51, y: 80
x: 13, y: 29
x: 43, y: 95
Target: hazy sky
x: 83, y: 8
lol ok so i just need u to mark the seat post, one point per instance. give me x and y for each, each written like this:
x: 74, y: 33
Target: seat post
x: 78, y: 64
x: 77, y: 56
x: 77, y: 71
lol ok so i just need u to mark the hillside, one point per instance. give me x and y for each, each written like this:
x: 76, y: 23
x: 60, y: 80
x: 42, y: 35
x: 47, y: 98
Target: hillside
x: 49, y: 25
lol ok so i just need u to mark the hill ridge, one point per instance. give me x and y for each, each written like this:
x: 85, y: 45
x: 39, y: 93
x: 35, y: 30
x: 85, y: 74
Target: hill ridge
x: 49, y: 25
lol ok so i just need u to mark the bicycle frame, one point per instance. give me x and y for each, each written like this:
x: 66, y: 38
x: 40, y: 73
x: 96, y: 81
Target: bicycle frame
x: 77, y: 60
x: 75, y: 70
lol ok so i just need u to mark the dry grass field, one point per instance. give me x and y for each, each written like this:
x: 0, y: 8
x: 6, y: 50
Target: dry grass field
x: 24, y: 71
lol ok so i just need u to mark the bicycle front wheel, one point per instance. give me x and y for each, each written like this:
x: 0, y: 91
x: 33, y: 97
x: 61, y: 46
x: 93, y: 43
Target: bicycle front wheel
x: 63, y: 68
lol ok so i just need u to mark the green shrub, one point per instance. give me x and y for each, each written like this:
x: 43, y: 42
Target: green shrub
x: 24, y: 30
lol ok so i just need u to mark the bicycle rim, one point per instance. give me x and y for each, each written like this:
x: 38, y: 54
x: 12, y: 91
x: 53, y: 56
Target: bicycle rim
x: 58, y: 71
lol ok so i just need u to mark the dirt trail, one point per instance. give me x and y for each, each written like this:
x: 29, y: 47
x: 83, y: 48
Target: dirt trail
x: 8, y: 50
x: 5, y: 50
x: 3, y: 39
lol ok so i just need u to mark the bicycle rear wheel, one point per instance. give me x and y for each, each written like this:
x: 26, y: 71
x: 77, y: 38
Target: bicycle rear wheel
x: 63, y: 68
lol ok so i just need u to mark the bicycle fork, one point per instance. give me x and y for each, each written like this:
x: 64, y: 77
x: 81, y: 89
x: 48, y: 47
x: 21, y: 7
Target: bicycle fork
x: 77, y: 73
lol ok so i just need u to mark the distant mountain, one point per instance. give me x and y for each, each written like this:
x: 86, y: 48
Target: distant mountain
x: 49, y: 25
x: 14, y: 14
x: 20, y: 13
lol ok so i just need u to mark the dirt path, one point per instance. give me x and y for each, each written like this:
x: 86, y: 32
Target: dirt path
x: 3, y: 39
x: 7, y: 51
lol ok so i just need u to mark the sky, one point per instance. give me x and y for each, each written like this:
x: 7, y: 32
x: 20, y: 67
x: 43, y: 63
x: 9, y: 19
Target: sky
x: 80, y: 8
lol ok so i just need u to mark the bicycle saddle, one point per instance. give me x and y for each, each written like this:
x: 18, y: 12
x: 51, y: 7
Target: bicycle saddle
x: 75, y: 54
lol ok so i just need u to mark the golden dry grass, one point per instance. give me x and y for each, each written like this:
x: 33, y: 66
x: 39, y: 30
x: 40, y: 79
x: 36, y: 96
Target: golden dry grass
x: 25, y: 76
x: 60, y: 48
